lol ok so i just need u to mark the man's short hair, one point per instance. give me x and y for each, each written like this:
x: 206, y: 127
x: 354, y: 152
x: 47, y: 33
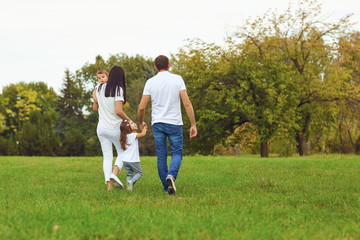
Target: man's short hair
x: 161, y: 62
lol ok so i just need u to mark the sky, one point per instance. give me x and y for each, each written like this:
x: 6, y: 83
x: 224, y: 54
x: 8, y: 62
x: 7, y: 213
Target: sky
x: 39, y: 39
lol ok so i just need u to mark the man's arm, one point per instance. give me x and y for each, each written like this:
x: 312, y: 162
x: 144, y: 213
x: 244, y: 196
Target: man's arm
x: 190, y: 112
x: 141, y: 109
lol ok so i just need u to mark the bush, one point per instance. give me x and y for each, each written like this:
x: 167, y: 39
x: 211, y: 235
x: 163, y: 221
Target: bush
x: 3, y: 146
x: 74, y: 143
x: 37, y: 137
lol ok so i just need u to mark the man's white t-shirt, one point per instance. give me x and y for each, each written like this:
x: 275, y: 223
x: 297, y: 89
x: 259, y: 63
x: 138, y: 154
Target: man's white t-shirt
x: 164, y: 89
x: 107, y: 116
x: 131, y: 154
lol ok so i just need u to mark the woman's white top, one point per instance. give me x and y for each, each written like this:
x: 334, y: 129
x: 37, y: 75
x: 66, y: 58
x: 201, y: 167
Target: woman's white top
x: 107, y: 116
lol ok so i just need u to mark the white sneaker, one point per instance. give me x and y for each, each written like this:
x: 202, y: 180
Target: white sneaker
x: 129, y: 186
x: 171, y: 185
x: 116, y: 181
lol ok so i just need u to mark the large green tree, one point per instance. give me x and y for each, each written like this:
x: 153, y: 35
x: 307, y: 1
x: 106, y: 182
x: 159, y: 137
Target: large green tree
x: 18, y: 102
x: 202, y: 67
x: 347, y: 122
x: 276, y: 71
x: 243, y: 82
x: 71, y: 120
x: 263, y: 87
x: 306, y: 40
x: 70, y: 104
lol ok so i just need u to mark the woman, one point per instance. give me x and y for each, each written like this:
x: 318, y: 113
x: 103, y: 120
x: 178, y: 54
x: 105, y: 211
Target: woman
x: 109, y: 101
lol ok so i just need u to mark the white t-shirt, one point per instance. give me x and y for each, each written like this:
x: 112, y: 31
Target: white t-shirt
x: 107, y: 116
x: 131, y: 154
x: 164, y: 89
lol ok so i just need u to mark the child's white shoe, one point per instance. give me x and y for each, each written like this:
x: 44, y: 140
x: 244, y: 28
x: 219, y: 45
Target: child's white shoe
x: 129, y: 186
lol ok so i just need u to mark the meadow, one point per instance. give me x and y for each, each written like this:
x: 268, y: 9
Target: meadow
x: 245, y: 197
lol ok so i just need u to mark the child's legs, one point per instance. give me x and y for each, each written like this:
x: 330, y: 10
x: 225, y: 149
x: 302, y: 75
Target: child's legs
x: 128, y: 170
x: 133, y: 171
x: 136, y: 168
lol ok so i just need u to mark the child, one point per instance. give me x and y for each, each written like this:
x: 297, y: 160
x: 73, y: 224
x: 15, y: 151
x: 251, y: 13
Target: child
x: 102, y: 77
x: 129, y: 144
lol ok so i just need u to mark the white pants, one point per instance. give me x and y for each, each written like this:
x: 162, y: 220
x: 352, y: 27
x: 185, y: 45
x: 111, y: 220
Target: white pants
x: 107, y: 138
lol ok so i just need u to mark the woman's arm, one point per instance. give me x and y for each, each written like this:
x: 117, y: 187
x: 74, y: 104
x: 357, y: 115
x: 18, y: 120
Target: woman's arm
x: 119, y: 110
x: 95, y: 104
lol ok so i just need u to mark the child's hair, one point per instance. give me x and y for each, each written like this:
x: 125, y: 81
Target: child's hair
x: 125, y: 129
x: 103, y: 72
x: 115, y: 82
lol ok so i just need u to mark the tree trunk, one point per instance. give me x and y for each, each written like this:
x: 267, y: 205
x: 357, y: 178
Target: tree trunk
x: 340, y: 137
x: 264, y: 149
x: 301, y: 141
x: 302, y: 134
x: 357, y: 146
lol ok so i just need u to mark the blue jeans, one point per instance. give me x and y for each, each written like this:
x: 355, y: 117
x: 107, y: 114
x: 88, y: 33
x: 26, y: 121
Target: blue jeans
x: 161, y: 132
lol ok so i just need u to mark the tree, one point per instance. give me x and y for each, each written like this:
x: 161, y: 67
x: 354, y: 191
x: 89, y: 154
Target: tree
x: 69, y: 105
x: 12, y: 145
x: 306, y: 41
x: 348, y: 54
x: 348, y: 58
x: 240, y: 83
x: 19, y: 100
x: 2, y: 123
x: 263, y: 86
x: 275, y: 71
x: 37, y: 136
x: 202, y: 67
x: 73, y: 143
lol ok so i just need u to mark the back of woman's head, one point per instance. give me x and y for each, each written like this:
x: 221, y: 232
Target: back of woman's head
x: 115, y: 82
x: 125, y: 129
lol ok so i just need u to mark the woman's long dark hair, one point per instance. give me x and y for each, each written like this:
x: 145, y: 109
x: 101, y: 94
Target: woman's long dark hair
x: 116, y: 80
x: 125, y: 129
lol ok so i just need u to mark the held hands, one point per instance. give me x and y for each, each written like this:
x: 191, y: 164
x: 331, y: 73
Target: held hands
x: 142, y: 126
x: 145, y: 127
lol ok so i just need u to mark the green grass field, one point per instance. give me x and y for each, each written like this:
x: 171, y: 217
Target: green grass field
x: 247, y: 197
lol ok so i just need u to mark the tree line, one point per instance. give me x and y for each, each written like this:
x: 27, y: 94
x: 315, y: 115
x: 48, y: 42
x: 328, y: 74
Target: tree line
x: 283, y: 82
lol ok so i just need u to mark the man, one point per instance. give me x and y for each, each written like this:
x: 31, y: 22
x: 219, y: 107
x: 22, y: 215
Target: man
x: 165, y: 90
